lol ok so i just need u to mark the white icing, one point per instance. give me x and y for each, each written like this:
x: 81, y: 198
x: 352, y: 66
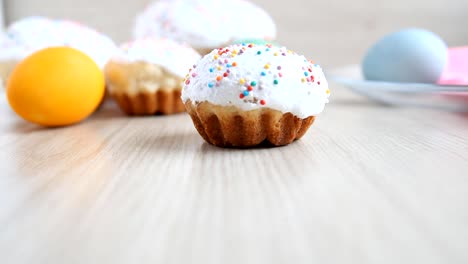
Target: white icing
x: 175, y: 57
x: 205, y: 23
x: 293, y: 92
x: 10, y: 50
x: 31, y: 34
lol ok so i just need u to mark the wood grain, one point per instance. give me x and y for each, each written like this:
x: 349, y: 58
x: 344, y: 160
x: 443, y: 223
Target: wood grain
x: 366, y: 184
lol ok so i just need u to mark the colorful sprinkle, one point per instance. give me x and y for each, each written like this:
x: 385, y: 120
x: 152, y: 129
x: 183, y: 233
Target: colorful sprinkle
x: 328, y: 91
x: 194, y: 74
x: 187, y: 82
x: 248, y: 86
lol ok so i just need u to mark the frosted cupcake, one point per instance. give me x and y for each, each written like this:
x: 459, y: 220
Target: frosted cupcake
x: 205, y: 24
x: 147, y: 76
x: 246, y: 95
x: 31, y: 34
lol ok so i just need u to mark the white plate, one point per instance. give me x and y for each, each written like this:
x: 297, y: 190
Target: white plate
x: 450, y: 97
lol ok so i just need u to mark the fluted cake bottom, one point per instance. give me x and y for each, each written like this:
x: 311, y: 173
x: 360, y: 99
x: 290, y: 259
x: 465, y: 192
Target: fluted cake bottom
x: 229, y: 126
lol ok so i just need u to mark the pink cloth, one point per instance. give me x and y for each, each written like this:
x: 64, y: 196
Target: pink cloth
x: 456, y: 71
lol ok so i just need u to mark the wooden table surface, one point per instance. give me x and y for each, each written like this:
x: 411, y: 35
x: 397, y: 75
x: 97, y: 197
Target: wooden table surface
x: 367, y: 184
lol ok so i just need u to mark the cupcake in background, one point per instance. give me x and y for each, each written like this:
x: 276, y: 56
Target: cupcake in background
x: 205, y: 24
x: 28, y: 35
x: 146, y: 77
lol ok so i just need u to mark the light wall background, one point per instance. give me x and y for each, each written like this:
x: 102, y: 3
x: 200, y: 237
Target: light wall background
x: 331, y: 32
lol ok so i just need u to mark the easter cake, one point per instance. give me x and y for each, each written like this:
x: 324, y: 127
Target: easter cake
x: 205, y: 24
x: 245, y: 95
x: 146, y: 77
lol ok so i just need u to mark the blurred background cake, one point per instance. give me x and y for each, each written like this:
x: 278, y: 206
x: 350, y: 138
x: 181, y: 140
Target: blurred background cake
x: 205, y: 24
x: 146, y: 76
x: 30, y: 34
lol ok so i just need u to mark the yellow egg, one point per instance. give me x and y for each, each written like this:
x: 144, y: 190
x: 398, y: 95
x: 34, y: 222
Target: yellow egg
x: 56, y: 86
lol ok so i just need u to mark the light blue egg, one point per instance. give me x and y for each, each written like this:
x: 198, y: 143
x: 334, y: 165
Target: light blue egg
x: 410, y: 55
